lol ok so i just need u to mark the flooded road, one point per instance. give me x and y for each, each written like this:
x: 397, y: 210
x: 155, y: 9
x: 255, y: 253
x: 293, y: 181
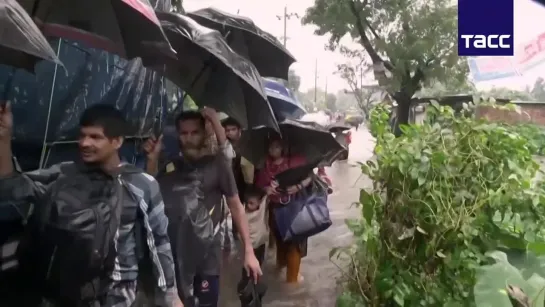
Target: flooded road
x: 319, y: 289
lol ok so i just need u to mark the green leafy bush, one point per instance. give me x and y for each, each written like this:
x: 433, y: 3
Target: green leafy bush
x: 535, y: 136
x: 509, y: 282
x: 445, y: 193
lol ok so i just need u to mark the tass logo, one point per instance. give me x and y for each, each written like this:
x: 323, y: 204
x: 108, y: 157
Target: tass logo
x: 486, y: 41
x: 485, y: 28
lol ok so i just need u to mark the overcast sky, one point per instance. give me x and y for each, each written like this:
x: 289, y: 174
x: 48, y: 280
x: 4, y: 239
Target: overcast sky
x: 307, y: 47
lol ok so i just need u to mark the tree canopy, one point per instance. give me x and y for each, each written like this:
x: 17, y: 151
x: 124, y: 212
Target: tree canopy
x: 409, y: 43
x: 538, y: 91
x: 331, y: 102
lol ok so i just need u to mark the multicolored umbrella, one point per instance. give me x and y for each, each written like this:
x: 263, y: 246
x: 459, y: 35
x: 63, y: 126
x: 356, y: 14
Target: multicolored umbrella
x: 282, y: 100
x: 129, y: 28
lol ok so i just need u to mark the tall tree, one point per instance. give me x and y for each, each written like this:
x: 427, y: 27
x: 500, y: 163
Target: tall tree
x: 409, y: 42
x: 331, y: 102
x: 353, y: 71
x: 313, y: 99
x: 346, y: 101
x: 538, y: 90
x: 369, y: 97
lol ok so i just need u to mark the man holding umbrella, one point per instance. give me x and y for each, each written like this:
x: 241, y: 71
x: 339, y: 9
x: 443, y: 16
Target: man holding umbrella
x: 218, y: 181
x: 242, y: 168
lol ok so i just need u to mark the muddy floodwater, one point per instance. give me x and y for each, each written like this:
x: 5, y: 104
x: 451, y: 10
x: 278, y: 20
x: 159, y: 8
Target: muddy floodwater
x: 319, y: 288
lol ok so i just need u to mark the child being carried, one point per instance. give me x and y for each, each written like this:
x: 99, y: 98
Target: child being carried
x: 255, y: 202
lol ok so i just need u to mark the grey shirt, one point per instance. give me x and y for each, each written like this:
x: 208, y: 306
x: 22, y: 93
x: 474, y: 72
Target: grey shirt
x: 218, y: 181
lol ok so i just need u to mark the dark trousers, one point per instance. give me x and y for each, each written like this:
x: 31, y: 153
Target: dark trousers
x: 207, y: 290
x: 260, y: 255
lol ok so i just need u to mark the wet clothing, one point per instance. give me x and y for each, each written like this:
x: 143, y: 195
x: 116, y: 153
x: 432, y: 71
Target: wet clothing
x: 247, y: 170
x: 258, y: 224
x: 145, y: 203
x: 266, y: 175
x: 239, y: 176
x: 243, y: 171
x: 289, y: 254
x: 207, y: 290
x: 218, y: 182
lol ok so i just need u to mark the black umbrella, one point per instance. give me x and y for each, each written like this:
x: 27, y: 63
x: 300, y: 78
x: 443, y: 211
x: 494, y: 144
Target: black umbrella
x: 295, y: 175
x: 213, y: 74
x: 338, y: 127
x: 310, y: 141
x: 270, y: 57
x: 22, y: 44
x: 125, y: 27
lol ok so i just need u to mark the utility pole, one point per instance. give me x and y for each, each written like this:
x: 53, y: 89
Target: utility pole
x: 285, y: 25
x: 285, y: 17
x: 325, y: 93
x: 316, y: 81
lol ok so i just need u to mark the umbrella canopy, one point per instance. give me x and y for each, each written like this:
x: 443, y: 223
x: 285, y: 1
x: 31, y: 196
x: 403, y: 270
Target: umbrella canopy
x: 213, y: 74
x: 125, y: 27
x: 319, y: 118
x: 282, y: 100
x: 302, y: 139
x: 338, y: 127
x: 270, y: 57
x: 22, y: 44
x: 295, y: 175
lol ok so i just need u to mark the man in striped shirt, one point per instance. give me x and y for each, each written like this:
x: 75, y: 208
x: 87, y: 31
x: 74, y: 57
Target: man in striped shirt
x: 101, y: 135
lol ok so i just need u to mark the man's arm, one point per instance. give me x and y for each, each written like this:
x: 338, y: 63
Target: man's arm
x: 219, y: 131
x: 228, y: 151
x: 228, y: 188
x: 158, y: 223
x: 29, y: 186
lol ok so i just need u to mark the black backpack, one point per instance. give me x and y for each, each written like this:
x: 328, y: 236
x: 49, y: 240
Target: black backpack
x: 68, y: 252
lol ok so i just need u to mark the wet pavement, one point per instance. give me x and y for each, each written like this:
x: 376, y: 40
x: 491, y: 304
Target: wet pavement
x: 319, y: 288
